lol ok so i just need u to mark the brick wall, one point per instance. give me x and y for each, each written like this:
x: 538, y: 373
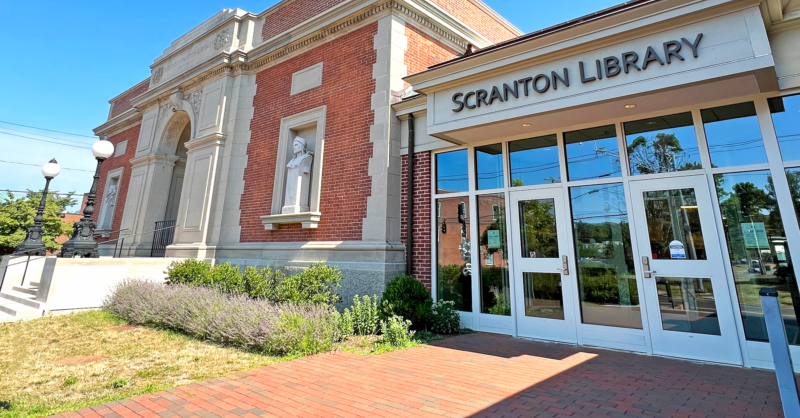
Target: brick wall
x: 421, y: 267
x: 347, y: 91
x: 293, y: 14
x: 424, y: 50
x: 123, y: 103
x: 474, y: 17
x: 113, y: 163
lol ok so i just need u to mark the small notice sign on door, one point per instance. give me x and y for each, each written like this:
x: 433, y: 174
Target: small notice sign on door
x: 494, y: 238
x: 676, y: 250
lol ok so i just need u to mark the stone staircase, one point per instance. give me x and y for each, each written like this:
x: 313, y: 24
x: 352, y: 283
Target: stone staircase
x: 19, y: 302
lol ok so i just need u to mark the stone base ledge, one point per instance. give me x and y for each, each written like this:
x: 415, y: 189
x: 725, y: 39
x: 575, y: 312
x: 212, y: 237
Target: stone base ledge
x: 309, y: 220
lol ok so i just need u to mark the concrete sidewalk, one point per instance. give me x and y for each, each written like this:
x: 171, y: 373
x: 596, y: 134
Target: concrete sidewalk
x: 478, y: 375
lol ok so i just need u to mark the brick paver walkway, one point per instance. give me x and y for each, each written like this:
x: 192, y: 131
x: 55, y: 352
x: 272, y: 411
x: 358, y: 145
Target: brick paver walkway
x: 479, y: 375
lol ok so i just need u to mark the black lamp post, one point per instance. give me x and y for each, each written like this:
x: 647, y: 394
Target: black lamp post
x: 33, y: 244
x: 82, y: 242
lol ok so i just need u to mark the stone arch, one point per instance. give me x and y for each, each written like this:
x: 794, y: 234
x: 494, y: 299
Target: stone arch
x: 174, y: 131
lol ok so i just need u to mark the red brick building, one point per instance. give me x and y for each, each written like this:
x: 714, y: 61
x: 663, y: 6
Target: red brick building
x: 269, y: 138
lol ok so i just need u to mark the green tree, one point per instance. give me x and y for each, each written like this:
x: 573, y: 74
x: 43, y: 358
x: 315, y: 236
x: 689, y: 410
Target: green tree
x: 660, y: 154
x: 17, y: 213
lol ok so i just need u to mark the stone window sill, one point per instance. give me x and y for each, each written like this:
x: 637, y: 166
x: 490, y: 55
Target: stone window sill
x: 309, y: 220
x: 104, y: 233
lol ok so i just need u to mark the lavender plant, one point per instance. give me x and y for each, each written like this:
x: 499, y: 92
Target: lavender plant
x: 227, y: 318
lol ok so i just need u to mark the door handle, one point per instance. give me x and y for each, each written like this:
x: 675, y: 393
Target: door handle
x: 648, y: 274
x: 564, y: 265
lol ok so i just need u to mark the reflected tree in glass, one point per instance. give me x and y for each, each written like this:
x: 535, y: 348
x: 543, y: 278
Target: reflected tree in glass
x: 495, y: 288
x: 758, y: 250
x: 661, y: 153
x: 606, y: 273
x: 538, y: 224
x: 454, y: 269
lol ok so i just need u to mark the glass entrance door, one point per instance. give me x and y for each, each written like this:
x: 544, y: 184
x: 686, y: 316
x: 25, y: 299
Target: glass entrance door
x: 544, y: 284
x: 686, y: 292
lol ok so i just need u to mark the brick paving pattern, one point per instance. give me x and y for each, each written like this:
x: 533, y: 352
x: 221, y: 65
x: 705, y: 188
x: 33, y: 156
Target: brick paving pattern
x: 478, y: 375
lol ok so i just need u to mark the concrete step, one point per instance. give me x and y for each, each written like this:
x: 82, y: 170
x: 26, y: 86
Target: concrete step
x: 27, y: 290
x: 36, y: 284
x: 22, y: 298
x: 17, y: 310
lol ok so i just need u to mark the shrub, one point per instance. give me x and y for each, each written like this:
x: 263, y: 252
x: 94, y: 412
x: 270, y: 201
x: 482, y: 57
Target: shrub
x: 189, y: 271
x: 396, y: 332
x: 364, y: 315
x: 444, y: 318
x: 317, y: 284
x: 231, y: 319
x: 408, y: 298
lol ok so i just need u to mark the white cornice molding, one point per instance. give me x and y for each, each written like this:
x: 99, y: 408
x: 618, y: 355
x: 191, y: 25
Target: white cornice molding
x: 115, y: 98
x: 271, y: 53
x: 152, y: 159
x: 119, y: 123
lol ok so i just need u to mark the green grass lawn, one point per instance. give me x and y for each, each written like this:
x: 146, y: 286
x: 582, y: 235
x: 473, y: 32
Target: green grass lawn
x: 67, y: 362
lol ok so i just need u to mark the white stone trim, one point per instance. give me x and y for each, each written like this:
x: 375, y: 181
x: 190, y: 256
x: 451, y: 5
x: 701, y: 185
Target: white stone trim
x: 307, y: 78
x: 382, y: 222
x: 121, y: 148
x: 309, y: 220
x: 289, y: 124
x: 101, y: 227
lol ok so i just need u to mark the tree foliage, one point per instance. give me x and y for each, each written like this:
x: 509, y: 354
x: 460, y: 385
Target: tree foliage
x: 17, y: 213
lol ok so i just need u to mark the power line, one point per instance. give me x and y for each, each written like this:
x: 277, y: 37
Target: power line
x: 51, y: 142
x: 41, y: 136
x: 48, y: 130
x: 39, y: 165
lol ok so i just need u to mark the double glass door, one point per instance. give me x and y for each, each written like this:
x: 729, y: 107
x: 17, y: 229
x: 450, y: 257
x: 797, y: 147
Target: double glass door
x: 680, y: 269
x: 542, y: 276
x: 687, y: 300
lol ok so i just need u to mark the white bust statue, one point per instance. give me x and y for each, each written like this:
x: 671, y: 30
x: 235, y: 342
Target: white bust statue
x: 298, y: 178
x: 111, y: 194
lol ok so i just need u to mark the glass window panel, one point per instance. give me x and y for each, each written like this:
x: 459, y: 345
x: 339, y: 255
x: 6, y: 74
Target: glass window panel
x: 592, y: 153
x: 733, y: 135
x: 662, y: 145
x: 495, y: 289
x: 534, y: 161
x: 489, y: 164
x: 673, y: 223
x: 606, y: 275
x: 786, y: 119
x: 543, y: 297
x: 454, y: 269
x: 451, y: 172
x: 687, y: 305
x: 758, y: 249
x: 537, y: 220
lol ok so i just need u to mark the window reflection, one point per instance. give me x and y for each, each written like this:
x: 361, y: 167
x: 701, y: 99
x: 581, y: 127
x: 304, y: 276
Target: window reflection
x: 662, y: 145
x: 495, y: 289
x: 543, y: 298
x: 687, y: 305
x: 606, y: 274
x: 733, y: 135
x: 786, y: 118
x: 758, y: 250
x: 592, y: 153
x: 489, y: 166
x: 673, y: 224
x: 451, y: 172
x: 454, y: 269
x: 534, y: 161
x: 537, y: 220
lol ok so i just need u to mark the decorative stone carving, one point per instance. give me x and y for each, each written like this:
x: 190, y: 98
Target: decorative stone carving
x: 157, y: 74
x: 222, y: 39
x: 173, y: 132
x: 194, y: 99
x: 164, y: 110
x: 298, y: 178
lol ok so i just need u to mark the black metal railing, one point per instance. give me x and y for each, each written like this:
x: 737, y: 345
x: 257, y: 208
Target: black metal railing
x: 163, y: 235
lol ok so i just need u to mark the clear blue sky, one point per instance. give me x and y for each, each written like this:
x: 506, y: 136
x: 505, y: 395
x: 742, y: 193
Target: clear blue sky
x: 65, y: 59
